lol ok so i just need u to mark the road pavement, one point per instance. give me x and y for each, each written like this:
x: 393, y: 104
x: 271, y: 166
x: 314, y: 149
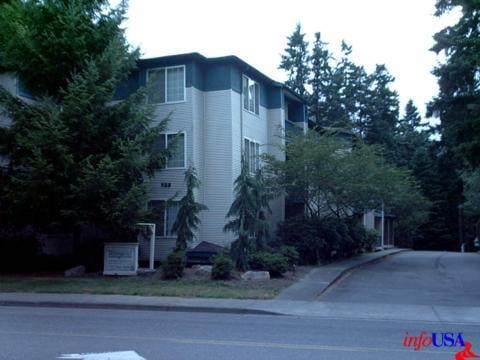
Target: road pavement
x: 413, y: 278
x: 48, y: 333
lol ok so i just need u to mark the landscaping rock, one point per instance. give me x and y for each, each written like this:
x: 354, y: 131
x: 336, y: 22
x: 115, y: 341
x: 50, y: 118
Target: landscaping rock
x: 75, y: 271
x: 256, y: 275
x: 202, y: 270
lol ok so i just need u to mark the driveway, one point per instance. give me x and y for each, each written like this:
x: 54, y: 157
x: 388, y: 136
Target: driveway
x: 414, y: 277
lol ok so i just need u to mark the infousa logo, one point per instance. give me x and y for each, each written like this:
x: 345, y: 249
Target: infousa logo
x: 438, y: 340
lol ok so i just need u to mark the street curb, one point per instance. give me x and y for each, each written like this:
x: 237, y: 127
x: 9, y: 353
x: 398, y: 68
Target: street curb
x: 111, y: 306
x: 353, y: 268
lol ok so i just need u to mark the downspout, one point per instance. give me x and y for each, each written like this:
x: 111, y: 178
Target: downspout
x: 383, y: 225
x: 241, y: 122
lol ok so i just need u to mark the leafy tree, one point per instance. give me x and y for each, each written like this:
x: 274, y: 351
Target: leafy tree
x: 333, y: 179
x: 295, y: 61
x: 75, y: 157
x: 472, y: 197
x: 472, y: 192
x: 187, y: 220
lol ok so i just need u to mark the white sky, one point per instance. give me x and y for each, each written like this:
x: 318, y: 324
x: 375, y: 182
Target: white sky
x: 397, y: 33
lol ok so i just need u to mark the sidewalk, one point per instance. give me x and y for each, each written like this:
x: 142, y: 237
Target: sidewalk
x: 364, y: 312
x: 317, y: 281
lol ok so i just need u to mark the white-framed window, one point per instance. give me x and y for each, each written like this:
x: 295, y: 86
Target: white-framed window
x: 165, y: 216
x: 251, y: 151
x: 251, y: 95
x: 168, y: 85
x: 177, y: 159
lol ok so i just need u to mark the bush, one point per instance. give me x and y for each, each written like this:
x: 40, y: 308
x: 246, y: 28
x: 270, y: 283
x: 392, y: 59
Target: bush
x: 371, y: 237
x: 222, y: 267
x: 19, y: 250
x: 291, y: 255
x: 276, y: 264
x: 174, y: 266
x: 326, y: 239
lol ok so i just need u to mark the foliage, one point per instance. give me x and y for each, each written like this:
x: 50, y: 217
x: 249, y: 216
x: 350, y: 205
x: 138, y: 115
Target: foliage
x: 330, y: 178
x: 275, y: 263
x: 325, y: 239
x: 248, y: 215
x: 74, y: 153
x: 291, y: 255
x: 49, y: 42
x: 457, y: 105
x: 174, y: 266
x: 17, y: 250
x: 458, y: 102
x: 472, y: 192
x: 222, y: 267
x: 187, y: 220
x: 295, y: 61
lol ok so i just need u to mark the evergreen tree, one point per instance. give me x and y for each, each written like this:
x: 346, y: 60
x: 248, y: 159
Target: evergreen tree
x: 187, y: 220
x: 75, y: 157
x: 458, y: 108
x: 410, y: 138
x: 243, y: 212
x: 295, y: 61
x: 320, y: 82
x: 380, y: 113
x: 262, y: 197
x: 248, y: 215
x: 458, y: 102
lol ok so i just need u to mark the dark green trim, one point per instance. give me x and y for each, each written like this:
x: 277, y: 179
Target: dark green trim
x: 212, y: 74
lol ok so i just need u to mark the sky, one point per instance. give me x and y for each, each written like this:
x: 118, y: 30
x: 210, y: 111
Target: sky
x: 397, y: 33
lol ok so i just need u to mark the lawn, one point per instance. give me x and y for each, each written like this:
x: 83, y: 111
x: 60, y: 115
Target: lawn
x: 148, y: 286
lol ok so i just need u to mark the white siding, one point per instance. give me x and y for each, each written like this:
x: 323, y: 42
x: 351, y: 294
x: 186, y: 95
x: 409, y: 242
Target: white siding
x: 369, y: 219
x: 276, y: 141
x: 180, y: 121
x: 218, y: 179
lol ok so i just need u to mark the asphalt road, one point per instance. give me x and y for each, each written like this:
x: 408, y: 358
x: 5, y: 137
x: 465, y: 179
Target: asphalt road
x: 414, y: 277
x: 30, y: 333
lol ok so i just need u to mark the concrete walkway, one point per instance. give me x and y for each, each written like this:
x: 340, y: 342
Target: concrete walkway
x: 397, y: 312
x: 317, y: 281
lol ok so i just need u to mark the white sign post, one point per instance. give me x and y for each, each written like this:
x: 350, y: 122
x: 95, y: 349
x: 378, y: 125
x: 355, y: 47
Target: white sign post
x: 120, y: 259
x: 152, y: 243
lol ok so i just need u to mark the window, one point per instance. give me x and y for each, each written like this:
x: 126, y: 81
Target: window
x: 168, y: 85
x: 252, y: 155
x: 177, y: 158
x: 251, y: 95
x: 164, y: 216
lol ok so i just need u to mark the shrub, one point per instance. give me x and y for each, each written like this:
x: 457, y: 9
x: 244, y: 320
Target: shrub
x: 371, y: 237
x: 276, y: 264
x: 18, y: 250
x: 291, y: 255
x: 222, y: 267
x: 174, y: 266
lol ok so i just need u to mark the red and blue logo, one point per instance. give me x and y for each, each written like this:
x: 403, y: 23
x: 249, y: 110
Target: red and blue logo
x: 440, y: 340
